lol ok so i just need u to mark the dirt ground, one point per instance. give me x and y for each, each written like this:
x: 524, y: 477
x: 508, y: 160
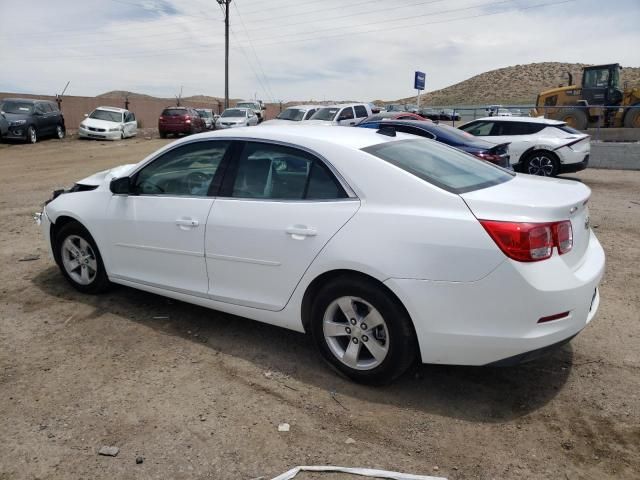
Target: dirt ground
x: 200, y: 394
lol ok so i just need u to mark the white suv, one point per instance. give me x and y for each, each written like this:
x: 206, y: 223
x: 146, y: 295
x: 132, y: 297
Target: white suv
x: 537, y: 146
x: 344, y: 114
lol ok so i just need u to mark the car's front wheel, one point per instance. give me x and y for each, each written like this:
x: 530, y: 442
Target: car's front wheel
x: 60, y: 132
x: 79, y: 259
x: 32, y: 135
x: 362, y: 331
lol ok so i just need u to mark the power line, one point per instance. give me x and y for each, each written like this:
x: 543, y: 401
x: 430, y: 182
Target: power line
x: 269, y: 91
x: 183, y: 50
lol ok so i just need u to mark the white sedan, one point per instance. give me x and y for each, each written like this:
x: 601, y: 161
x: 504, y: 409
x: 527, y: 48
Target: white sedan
x: 386, y: 247
x: 538, y: 146
x: 236, y: 117
x: 294, y: 115
x: 109, y: 123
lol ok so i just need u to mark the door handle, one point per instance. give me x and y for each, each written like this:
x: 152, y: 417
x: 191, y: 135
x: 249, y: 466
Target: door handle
x: 186, y: 223
x: 298, y: 232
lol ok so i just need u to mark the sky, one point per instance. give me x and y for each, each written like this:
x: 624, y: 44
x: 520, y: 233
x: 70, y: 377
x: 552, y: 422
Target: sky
x: 285, y: 50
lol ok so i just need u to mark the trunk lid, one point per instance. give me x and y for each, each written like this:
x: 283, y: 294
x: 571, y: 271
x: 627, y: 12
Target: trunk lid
x: 527, y: 198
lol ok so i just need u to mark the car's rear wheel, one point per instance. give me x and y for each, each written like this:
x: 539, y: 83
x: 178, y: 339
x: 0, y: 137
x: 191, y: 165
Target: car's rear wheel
x: 60, y: 132
x: 79, y: 259
x: 32, y: 135
x: 541, y: 163
x: 163, y: 134
x: 362, y: 331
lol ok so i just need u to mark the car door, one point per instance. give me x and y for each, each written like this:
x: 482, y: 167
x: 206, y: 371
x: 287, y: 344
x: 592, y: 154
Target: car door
x: 278, y: 208
x: 361, y: 112
x: 41, y: 119
x: 130, y: 124
x: 157, y: 232
x: 519, y: 135
x: 346, y: 117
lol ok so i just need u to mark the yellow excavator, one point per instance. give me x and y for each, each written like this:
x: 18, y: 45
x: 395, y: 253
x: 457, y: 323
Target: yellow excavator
x: 581, y: 106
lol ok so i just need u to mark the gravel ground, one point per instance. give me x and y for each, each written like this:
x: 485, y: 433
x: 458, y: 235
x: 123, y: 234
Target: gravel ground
x: 200, y: 394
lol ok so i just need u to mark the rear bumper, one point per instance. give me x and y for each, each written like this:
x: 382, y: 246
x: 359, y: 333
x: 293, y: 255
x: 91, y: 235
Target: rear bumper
x: 169, y: 128
x: 575, y: 167
x: 496, y: 318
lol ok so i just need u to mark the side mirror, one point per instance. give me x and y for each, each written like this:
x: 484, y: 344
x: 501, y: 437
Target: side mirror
x: 86, y: 115
x: 120, y: 186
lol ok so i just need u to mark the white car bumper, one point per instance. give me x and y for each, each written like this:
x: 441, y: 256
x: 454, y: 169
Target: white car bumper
x: 495, y: 319
x: 87, y: 133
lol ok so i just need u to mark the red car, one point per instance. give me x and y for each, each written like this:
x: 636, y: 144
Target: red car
x: 395, y: 116
x: 178, y: 120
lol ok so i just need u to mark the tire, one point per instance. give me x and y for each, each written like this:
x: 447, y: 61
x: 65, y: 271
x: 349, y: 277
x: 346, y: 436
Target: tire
x: 32, y: 134
x: 74, y: 245
x: 121, y: 135
x: 574, y: 117
x: 632, y: 117
x: 60, y: 132
x: 541, y: 163
x: 393, y: 339
x: 163, y: 134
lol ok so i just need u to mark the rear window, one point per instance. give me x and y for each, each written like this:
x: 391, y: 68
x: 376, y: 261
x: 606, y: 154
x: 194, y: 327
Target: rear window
x: 174, y: 112
x: 442, y: 166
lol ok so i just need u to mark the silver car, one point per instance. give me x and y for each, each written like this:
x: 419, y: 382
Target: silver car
x: 237, y: 117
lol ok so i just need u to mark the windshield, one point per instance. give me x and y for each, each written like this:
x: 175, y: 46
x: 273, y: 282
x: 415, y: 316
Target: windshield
x: 204, y: 113
x: 293, y: 114
x: 442, y: 166
x: 106, y: 115
x: 328, y: 113
x: 17, y: 107
x: 234, y: 112
x: 250, y: 105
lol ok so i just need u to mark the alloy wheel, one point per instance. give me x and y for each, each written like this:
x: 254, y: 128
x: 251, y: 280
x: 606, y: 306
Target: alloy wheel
x: 60, y: 132
x: 356, y: 333
x: 541, y: 165
x: 33, y: 136
x: 79, y: 260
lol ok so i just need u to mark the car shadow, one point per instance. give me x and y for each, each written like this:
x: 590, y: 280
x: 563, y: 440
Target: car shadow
x: 480, y: 394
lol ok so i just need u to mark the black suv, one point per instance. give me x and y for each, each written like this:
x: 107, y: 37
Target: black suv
x: 30, y: 119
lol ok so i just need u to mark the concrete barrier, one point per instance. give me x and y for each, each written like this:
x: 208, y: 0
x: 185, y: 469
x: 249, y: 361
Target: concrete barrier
x: 615, y: 134
x: 615, y: 156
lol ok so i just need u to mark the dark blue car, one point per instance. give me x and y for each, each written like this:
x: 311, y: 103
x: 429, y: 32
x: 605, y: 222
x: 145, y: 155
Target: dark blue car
x: 497, y: 154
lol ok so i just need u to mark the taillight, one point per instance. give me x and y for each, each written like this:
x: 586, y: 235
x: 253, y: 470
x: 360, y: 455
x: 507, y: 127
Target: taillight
x: 187, y: 119
x: 489, y: 157
x: 530, y: 242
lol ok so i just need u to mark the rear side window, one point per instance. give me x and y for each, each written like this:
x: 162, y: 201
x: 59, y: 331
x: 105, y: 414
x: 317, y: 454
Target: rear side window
x: 361, y: 111
x: 439, y: 165
x: 412, y: 130
x: 267, y: 171
x: 174, y: 112
x: 479, y: 129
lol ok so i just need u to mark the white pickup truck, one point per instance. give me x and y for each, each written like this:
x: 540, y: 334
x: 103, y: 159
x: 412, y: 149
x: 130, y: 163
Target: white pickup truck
x: 256, y: 105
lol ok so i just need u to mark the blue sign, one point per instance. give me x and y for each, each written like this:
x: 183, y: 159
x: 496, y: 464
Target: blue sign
x: 419, y: 80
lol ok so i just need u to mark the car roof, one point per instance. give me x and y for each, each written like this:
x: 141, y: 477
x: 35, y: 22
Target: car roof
x: 304, y: 107
x: 28, y: 100
x: 112, y: 109
x: 305, y: 135
x: 546, y: 121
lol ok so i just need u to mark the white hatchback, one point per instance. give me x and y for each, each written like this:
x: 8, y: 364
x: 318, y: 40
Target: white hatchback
x: 538, y: 146
x: 109, y: 123
x: 387, y: 248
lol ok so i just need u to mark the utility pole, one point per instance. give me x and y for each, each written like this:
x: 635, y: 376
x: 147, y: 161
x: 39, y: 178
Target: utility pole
x: 226, y: 50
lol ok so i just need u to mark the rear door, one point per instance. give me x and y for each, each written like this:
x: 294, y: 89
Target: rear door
x: 278, y: 208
